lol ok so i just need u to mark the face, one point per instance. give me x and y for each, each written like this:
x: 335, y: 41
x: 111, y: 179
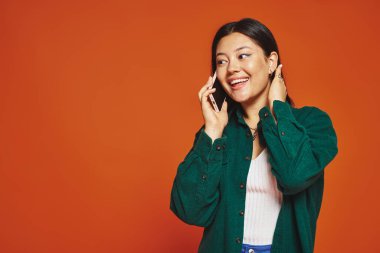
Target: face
x: 242, y: 67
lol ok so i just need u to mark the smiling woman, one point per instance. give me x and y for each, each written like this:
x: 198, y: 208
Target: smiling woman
x: 255, y: 174
x: 243, y: 72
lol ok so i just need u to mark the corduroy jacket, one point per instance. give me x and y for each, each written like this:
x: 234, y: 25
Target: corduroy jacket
x: 210, y: 185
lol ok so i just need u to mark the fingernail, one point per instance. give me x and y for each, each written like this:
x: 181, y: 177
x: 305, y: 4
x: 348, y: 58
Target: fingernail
x: 281, y: 65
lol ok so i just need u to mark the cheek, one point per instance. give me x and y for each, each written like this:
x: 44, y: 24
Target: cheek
x: 255, y: 67
x: 218, y: 73
x: 251, y: 65
x: 259, y: 72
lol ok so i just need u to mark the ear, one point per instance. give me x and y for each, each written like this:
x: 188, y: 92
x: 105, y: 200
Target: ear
x: 272, y: 62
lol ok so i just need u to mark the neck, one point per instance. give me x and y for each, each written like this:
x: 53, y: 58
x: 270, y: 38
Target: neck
x: 252, y: 107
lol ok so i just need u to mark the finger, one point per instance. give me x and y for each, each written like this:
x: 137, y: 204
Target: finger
x: 208, y: 85
x: 279, y: 72
x: 206, y: 94
x: 204, y: 87
x: 206, y: 101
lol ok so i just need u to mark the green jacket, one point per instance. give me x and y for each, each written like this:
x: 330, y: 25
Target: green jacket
x: 209, y: 188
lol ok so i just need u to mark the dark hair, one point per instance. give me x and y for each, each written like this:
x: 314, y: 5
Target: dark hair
x: 258, y: 32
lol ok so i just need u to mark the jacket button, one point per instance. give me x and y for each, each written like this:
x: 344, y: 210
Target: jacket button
x: 282, y: 133
x: 247, y: 158
x: 238, y: 240
x: 241, y: 213
x: 218, y: 147
x: 204, y: 177
x: 266, y: 114
x: 251, y: 251
x: 241, y: 186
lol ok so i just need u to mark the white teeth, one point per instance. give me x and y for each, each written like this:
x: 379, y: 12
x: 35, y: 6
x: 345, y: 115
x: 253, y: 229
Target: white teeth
x: 238, y: 81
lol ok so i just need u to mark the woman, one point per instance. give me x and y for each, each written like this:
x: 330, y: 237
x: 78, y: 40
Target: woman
x: 254, y: 176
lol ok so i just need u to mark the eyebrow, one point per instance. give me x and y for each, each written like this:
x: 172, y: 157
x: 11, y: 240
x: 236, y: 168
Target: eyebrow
x: 237, y: 49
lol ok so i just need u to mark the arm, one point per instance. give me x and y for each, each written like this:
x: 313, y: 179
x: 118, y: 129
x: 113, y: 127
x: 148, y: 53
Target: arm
x: 195, y: 191
x: 298, y: 152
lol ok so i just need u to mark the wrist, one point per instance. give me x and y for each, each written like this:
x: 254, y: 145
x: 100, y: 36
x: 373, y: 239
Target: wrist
x: 272, y: 111
x: 213, y: 133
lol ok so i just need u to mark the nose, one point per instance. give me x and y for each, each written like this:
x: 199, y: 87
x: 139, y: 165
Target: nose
x: 233, y: 66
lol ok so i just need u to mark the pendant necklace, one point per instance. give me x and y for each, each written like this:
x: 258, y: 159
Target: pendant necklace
x: 254, y: 133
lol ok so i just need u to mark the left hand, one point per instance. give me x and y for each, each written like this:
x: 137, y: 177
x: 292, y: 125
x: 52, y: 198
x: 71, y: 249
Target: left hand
x: 277, y: 91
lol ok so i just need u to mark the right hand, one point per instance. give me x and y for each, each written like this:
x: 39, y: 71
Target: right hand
x: 215, y: 122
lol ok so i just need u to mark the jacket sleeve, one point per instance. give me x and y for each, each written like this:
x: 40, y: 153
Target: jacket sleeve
x: 298, y: 152
x: 195, y: 192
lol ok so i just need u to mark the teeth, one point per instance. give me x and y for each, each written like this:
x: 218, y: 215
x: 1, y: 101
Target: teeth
x: 239, y: 80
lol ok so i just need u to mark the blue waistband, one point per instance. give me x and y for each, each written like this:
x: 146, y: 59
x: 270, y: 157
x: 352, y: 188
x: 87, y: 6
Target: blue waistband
x: 256, y: 248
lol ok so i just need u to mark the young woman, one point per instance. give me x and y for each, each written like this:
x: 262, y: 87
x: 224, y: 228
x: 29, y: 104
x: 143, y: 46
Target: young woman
x: 254, y: 176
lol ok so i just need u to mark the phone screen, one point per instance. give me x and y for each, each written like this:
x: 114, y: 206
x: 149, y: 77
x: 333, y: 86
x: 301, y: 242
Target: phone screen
x: 217, y: 98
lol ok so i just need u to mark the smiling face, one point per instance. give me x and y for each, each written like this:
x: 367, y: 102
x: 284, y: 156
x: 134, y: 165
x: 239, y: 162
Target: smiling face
x: 242, y: 67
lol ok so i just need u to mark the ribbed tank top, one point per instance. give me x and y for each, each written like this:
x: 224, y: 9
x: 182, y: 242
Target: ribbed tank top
x: 262, y: 203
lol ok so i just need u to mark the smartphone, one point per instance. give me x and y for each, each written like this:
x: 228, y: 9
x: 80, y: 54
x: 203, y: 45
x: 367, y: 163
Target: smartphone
x: 217, y: 98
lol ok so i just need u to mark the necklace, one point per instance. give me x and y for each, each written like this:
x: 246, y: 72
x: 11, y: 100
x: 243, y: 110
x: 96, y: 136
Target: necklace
x: 254, y: 133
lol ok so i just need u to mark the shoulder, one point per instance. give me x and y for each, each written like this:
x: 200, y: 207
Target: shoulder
x: 306, y: 115
x: 319, y: 128
x: 311, y: 115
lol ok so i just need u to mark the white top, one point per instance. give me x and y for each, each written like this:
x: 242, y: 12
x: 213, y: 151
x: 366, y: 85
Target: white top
x: 262, y: 203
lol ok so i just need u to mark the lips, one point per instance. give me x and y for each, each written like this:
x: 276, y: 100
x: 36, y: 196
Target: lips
x: 237, y: 82
x: 239, y: 85
x: 232, y: 80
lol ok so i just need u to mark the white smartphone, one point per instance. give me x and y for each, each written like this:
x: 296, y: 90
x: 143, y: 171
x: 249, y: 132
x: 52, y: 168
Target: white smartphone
x: 217, y: 98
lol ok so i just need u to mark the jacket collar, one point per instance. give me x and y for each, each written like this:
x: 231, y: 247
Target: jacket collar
x: 238, y: 111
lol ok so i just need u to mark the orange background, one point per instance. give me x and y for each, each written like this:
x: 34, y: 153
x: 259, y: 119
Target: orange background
x: 98, y: 106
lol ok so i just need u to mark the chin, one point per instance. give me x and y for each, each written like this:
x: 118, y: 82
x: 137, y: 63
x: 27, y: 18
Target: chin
x: 240, y: 96
x: 240, y: 99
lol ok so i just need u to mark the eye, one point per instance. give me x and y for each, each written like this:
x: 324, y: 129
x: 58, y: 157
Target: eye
x: 241, y: 56
x: 220, y: 62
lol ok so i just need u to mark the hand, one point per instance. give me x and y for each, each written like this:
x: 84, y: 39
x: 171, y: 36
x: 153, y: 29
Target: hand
x: 215, y: 122
x: 277, y: 91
